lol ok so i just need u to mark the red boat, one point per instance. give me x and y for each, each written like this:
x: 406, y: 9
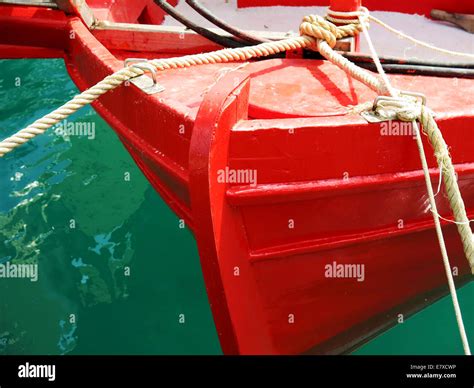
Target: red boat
x: 313, y: 228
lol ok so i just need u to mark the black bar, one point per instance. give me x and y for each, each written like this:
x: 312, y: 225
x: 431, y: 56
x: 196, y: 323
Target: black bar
x: 223, y: 371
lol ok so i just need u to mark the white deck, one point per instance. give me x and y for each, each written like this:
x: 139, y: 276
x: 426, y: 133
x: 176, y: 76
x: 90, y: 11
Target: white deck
x: 285, y: 19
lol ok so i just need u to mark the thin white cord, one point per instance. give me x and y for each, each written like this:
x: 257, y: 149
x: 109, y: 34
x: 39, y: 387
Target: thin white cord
x: 440, y: 180
x: 442, y: 245
x: 418, y: 42
x: 376, y: 58
x: 352, y: 17
x: 437, y: 192
x: 452, y: 221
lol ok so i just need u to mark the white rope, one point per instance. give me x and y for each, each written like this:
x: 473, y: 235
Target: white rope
x: 346, y: 17
x: 375, y: 57
x: 354, y: 17
x: 417, y: 41
x: 431, y: 196
x: 452, y: 221
x: 440, y: 181
x: 316, y: 33
x: 442, y: 244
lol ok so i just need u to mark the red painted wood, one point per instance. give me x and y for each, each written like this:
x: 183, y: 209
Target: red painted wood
x: 19, y: 26
x: 124, y: 11
x: 222, y: 246
x: 120, y: 11
x: 18, y: 52
x: 396, y: 270
x: 128, y: 44
x: 152, y: 14
x: 411, y: 7
x: 345, y: 5
x: 344, y: 185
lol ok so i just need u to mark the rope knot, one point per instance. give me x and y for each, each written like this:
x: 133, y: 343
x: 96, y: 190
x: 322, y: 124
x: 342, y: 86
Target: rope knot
x: 409, y: 112
x: 323, y: 30
x: 317, y: 27
x: 400, y: 108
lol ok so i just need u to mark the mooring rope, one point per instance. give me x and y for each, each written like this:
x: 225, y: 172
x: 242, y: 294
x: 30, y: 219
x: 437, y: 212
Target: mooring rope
x: 407, y: 110
x: 316, y: 33
x: 442, y: 244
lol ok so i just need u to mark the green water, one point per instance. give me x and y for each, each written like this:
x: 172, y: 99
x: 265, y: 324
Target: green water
x: 117, y: 274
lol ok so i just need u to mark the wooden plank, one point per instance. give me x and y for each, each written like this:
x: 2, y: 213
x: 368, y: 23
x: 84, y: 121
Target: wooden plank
x: 153, y: 41
x: 78, y: 7
x: 106, y: 25
x: 155, y: 38
x: 466, y: 22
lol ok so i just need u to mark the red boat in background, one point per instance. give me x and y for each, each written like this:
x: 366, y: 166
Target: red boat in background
x: 313, y: 226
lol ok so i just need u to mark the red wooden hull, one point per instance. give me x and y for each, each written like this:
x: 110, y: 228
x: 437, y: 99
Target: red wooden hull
x: 330, y: 187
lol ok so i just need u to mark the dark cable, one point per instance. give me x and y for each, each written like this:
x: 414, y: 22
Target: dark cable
x: 216, y: 38
x: 390, y: 65
x: 358, y: 58
x: 435, y: 71
x: 243, y: 35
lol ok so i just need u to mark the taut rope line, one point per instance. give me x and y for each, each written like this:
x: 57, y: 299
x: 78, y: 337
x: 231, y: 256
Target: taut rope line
x: 419, y: 42
x: 344, y: 17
